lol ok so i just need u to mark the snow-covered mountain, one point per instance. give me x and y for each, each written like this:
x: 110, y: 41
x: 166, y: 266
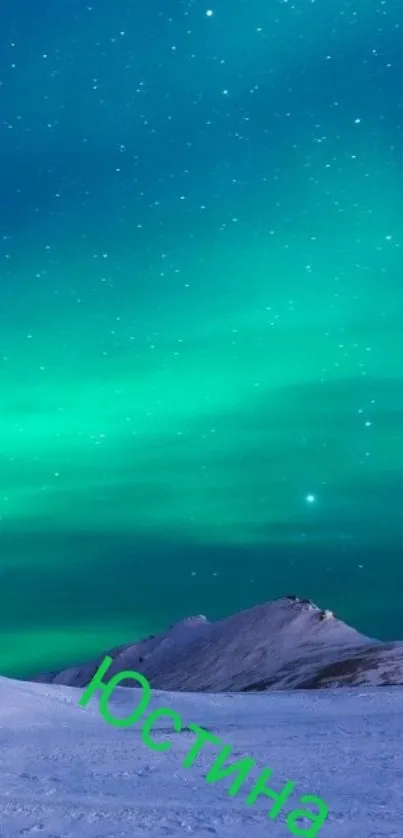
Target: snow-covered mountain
x: 66, y: 773
x: 285, y: 644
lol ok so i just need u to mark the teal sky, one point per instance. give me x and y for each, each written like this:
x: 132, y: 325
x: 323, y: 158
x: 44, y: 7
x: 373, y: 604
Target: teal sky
x: 201, y: 311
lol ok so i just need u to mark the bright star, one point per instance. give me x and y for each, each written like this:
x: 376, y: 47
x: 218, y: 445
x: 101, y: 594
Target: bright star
x: 310, y: 498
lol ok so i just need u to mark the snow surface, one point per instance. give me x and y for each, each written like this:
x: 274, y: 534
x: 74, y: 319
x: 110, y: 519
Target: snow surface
x: 66, y: 773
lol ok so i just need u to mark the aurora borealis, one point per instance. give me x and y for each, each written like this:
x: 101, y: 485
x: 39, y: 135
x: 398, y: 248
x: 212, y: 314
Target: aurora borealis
x: 201, y: 321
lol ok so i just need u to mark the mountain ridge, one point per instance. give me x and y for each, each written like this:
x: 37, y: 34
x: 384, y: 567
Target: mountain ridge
x: 284, y: 644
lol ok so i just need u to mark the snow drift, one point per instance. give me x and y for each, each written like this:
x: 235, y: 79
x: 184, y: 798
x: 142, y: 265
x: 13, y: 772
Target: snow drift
x: 66, y: 773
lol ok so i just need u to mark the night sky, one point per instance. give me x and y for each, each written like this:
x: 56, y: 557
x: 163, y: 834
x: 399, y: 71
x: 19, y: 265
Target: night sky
x: 201, y: 316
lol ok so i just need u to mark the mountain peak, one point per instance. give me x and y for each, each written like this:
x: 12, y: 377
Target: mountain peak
x: 288, y: 643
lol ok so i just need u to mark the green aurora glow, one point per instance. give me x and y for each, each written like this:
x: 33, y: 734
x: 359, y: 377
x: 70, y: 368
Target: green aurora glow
x: 201, y: 320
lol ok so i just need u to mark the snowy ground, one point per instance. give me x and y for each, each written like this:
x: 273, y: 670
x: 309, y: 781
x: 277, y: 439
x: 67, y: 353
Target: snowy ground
x: 66, y: 773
